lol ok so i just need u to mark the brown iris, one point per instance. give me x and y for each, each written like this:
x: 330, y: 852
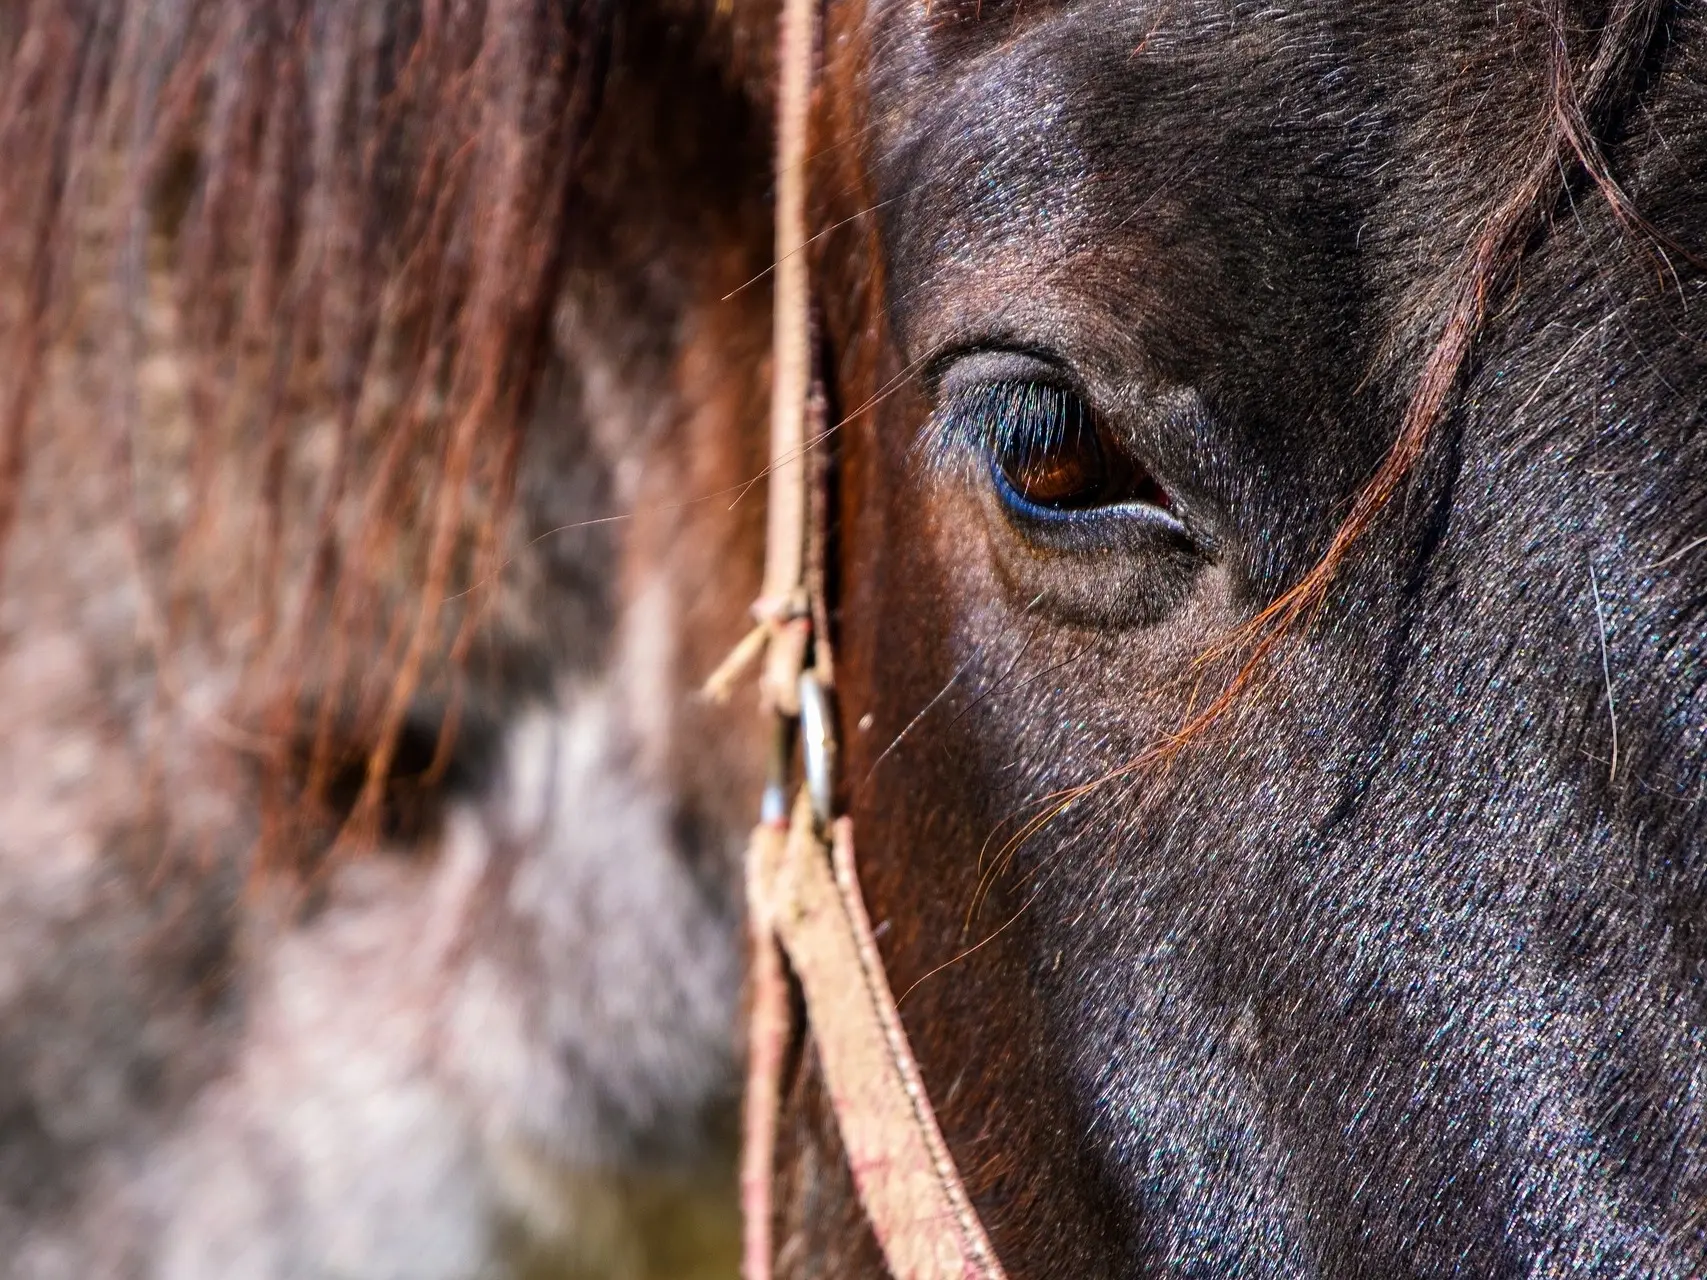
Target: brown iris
x: 1052, y: 453
x: 1072, y: 470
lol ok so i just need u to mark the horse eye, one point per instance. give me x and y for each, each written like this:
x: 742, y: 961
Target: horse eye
x: 1053, y: 454
x: 1070, y: 470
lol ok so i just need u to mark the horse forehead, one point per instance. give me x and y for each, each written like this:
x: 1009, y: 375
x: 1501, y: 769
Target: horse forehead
x: 1054, y: 162
x: 1016, y: 61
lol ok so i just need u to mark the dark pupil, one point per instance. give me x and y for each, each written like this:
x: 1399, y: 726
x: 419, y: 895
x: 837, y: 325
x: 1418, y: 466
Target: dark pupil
x: 1052, y: 457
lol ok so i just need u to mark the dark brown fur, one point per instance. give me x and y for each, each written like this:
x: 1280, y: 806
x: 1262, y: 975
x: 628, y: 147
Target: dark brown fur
x: 1268, y: 991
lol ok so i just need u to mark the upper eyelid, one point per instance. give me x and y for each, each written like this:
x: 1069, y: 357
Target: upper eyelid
x: 964, y: 368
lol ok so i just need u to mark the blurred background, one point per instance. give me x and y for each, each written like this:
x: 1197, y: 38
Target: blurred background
x: 380, y: 385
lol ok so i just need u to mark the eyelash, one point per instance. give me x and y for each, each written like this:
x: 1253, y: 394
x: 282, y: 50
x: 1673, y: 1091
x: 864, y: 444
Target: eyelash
x: 1045, y: 454
x: 996, y: 419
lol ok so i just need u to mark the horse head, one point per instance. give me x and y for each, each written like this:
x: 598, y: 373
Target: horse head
x: 1268, y: 606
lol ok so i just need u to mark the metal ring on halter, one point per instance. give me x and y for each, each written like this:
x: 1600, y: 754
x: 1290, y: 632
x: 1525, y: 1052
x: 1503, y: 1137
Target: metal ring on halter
x: 773, y: 804
x: 817, y: 745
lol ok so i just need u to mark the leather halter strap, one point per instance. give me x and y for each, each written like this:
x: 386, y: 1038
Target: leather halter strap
x: 803, y: 896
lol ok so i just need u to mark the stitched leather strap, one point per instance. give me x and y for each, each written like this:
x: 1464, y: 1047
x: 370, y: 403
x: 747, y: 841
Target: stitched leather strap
x: 801, y: 891
x: 907, y: 1181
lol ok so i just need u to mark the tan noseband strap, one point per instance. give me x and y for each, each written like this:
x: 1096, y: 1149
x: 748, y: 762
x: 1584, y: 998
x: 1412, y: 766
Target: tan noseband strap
x: 802, y: 892
x: 907, y: 1182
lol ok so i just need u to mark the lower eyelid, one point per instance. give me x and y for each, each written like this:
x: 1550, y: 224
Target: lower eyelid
x: 1154, y: 515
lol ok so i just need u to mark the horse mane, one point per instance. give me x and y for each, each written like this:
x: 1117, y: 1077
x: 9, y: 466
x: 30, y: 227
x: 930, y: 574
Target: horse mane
x: 358, y: 209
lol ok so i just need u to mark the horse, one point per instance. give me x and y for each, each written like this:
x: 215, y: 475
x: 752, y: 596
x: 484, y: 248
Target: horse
x: 1268, y: 595
x: 1260, y: 579
x: 369, y: 871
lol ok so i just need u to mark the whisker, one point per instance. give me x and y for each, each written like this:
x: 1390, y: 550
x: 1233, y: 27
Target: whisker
x: 981, y: 943
x: 1605, y: 668
x: 812, y: 240
x: 1031, y: 679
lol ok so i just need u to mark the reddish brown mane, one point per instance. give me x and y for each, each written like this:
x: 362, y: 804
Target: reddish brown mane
x: 359, y: 207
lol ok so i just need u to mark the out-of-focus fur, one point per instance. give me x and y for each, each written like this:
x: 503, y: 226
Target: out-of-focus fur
x: 497, y: 1034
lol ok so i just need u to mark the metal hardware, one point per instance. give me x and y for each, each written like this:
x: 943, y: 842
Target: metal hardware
x: 773, y: 804
x: 802, y: 888
x: 818, y: 745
